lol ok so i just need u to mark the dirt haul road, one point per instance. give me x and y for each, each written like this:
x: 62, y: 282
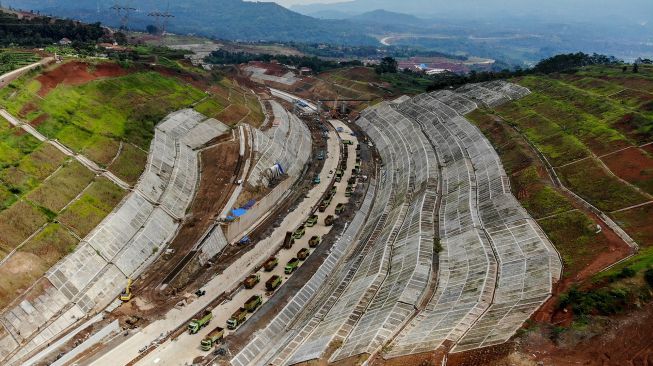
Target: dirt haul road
x: 227, y: 281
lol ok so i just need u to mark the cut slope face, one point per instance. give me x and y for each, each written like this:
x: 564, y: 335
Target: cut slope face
x: 122, y: 246
x: 495, y: 268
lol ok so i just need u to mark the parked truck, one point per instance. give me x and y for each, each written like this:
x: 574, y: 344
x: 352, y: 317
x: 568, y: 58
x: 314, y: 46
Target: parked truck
x: 253, y: 303
x: 272, y: 283
x: 288, y: 241
x: 340, y: 208
x: 339, y: 174
x: 251, y: 281
x: 237, y: 318
x: 311, y: 221
x: 303, y: 254
x: 200, y: 322
x: 291, y: 266
x: 315, y: 241
x: 328, y: 221
x: 299, y: 233
x: 212, y: 339
x: 270, y: 264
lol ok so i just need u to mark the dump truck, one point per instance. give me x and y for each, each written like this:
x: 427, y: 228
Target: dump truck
x: 340, y: 207
x: 303, y: 254
x: 270, y: 264
x: 126, y: 293
x: 251, y: 281
x: 333, y: 191
x: 200, y: 322
x: 291, y: 266
x: 311, y: 221
x: 315, y: 241
x: 324, y: 204
x: 320, y: 155
x: 349, y: 191
x: 212, y: 339
x: 253, y: 303
x: 299, y: 233
x: 351, y: 180
x: 347, y: 142
x: 328, y: 221
x: 316, y: 180
x: 288, y: 241
x: 272, y: 283
x: 339, y: 174
x: 237, y: 318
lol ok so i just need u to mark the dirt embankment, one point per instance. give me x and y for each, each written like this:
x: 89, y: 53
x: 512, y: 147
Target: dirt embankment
x: 77, y: 73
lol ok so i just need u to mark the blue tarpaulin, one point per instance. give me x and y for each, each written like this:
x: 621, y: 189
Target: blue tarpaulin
x: 238, y: 212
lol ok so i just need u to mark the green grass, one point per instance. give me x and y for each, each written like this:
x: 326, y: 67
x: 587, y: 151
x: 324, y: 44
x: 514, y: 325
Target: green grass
x: 56, y: 192
x: 51, y: 244
x: 11, y: 60
x: 130, y: 163
x: 17, y: 223
x: 638, y: 223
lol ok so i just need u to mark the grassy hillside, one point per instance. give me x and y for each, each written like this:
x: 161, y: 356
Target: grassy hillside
x: 595, y: 128
x: 12, y: 60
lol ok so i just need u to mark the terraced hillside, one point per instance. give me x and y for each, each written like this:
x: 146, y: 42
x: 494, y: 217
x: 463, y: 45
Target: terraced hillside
x: 74, y: 141
x: 590, y: 133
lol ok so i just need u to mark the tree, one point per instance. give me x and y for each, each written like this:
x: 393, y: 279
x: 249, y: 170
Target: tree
x: 387, y: 65
x: 624, y: 69
x: 120, y: 38
x: 635, y: 68
x: 151, y: 29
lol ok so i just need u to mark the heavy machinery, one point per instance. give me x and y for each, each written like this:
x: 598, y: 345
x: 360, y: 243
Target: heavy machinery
x: 291, y: 266
x: 339, y: 174
x: 126, y: 293
x: 340, y: 207
x: 349, y: 191
x: 253, y: 303
x: 317, y: 179
x: 299, y: 233
x: 303, y: 254
x: 212, y: 339
x: 251, y: 281
x: 270, y: 264
x: 272, y: 283
x: 288, y: 241
x: 328, y: 221
x: 312, y: 220
x: 315, y: 241
x: 237, y: 318
x: 198, y: 323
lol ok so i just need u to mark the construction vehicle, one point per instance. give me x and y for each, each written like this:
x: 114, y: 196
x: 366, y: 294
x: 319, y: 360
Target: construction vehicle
x: 324, y: 204
x: 288, y: 241
x: 198, y: 323
x: 270, y: 264
x: 299, y: 233
x: 212, y: 339
x: 272, y: 283
x: 340, y: 207
x: 126, y: 293
x: 237, y: 318
x: 251, y: 281
x: 351, y: 180
x: 312, y: 220
x: 291, y: 266
x: 328, y: 221
x: 317, y: 180
x: 347, y: 142
x: 333, y: 191
x: 320, y: 155
x: 349, y: 191
x: 339, y: 174
x: 253, y: 303
x: 315, y: 241
x: 303, y: 254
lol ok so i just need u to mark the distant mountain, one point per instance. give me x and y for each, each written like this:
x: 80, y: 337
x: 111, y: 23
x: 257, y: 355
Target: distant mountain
x: 330, y: 14
x: 381, y: 16
x: 226, y: 19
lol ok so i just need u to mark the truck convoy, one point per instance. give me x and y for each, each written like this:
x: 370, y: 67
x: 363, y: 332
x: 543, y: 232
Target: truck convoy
x: 291, y: 266
x: 198, y: 323
x: 270, y: 264
x: 253, y: 303
x: 237, y: 318
x: 251, y: 281
x: 212, y: 339
x: 273, y: 283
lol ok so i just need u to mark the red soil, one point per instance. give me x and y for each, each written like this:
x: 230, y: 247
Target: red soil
x: 77, y: 73
x: 632, y: 165
x: 27, y: 109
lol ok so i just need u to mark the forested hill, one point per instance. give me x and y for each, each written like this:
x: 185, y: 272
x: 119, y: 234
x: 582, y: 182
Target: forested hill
x: 41, y: 31
x: 225, y: 19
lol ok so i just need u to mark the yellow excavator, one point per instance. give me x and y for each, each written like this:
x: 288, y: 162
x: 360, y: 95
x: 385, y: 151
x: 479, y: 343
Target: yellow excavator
x: 126, y: 293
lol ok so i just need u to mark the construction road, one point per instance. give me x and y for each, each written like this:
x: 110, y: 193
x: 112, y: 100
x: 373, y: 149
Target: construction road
x: 183, y: 349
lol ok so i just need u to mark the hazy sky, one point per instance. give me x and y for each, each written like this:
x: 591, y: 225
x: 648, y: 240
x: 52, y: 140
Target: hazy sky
x: 293, y: 2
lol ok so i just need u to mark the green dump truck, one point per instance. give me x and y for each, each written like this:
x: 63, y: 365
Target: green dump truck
x: 200, y: 322
x: 291, y: 266
x: 237, y: 318
x: 253, y: 303
x: 273, y: 283
x: 339, y: 174
x: 212, y: 339
x: 251, y: 281
x: 299, y: 233
x: 303, y: 254
x: 270, y: 264
x: 312, y: 220
x: 340, y: 208
x: 288, y: 241
x: 314, y: 241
